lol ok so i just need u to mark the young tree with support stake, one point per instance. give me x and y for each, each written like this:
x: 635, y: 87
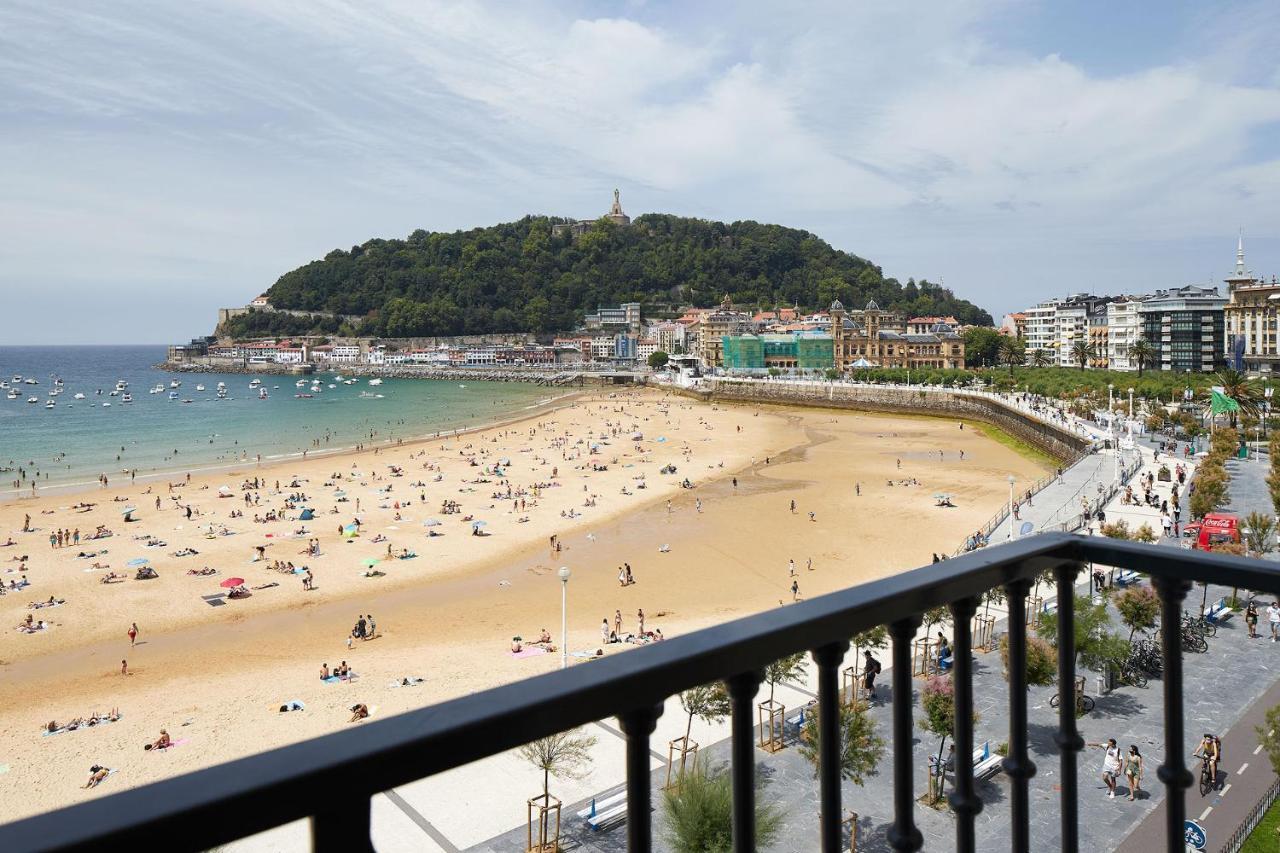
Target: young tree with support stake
x: 564, y: 755
x: 861, y: 749
x: 772, y: 713
x: 709, y: 703
x: 938, y: 700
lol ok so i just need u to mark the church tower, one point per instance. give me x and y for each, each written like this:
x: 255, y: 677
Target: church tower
x: 871, y: 325
x: 837, y: 334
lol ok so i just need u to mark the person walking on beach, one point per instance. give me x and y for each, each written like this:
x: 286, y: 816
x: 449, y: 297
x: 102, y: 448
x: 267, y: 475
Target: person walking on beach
x: 133, y: 634
x: 791, y: 568
x: 793, y: 507
x: 604, y: 630
x: 640, y: 618
x: 795, y: 590
x: 617, y: 623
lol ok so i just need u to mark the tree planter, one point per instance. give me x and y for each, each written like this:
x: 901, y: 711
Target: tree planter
x: 851, y: 690
x: 1035, y: 606
x: 984, y: 632
x: 773, y: 715
x: 924, y: 658
x: 544, y: 824
x: 686, y: 750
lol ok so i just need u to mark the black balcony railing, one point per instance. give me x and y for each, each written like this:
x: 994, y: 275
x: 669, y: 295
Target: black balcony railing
x: 331, y: 779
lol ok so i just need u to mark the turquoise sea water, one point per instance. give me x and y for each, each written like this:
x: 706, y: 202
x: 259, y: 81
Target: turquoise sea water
x: 77, y: 440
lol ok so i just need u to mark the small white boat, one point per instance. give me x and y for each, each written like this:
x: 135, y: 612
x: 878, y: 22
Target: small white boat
x: 199, y: 387
x: 157, y: 389
x: 300, y: 383
x: 30, y: 382
x: 173, y: 395
x: 17, y: 378
x: 365, y: 395
x: 254, y: 383
x: 331, y: 385
x: 33, y: 399
x: 126, y: 398
x: 375, y: 381
x: 106, y: 405
x: 121, y: 385
x: 262, y: 393
x: 114, y: 393
x: 175, y: 384
x: 13, y: 394
x: 222, y: 393
x: 348, y: 382
x: 222, y: 385
x: 77, y: 396
x: 50, y: 404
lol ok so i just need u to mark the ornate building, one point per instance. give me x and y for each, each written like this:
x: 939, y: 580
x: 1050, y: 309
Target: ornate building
x: 582, y: 226
x: 872, y: 345
x: 1251, y: 315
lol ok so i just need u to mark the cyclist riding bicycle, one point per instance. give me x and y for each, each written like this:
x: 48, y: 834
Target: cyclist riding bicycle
x: 1210, y: 751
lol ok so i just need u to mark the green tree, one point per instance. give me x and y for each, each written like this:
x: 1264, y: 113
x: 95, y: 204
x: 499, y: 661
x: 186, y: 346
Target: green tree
x: 938, y: 700
x: 873, y: 638
x: 1142, y: 354
x: 564, y: 755
x: 1269, y: 737
x: 982, y: 346
x: 698, y: 814
x: 1041, y: 358
x: 1081, y: 352
x: 861, y: 749
x: 709, y: 703
x: 658, y: 360
x: 1096, y: 645
x: 1238, y: 387
x: 1042, y: 661
x: 1012, y: 353
x: 790, y: 668
x: 1139, y: 608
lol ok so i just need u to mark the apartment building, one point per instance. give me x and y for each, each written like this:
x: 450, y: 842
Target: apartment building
x: 1251, y: 319
x: 1186, y: 328
x: 1124, y: 328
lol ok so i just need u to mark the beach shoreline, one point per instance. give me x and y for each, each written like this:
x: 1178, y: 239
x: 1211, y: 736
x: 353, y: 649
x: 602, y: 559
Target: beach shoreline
x: 448, y: 615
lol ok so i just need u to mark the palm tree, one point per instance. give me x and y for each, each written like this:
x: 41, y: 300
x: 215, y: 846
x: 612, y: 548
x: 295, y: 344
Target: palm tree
x: 1143, y: 353
x: 1041, y: 358
x: 1238, y: 387
x: 1081, y: 352
x: 1012, y: 353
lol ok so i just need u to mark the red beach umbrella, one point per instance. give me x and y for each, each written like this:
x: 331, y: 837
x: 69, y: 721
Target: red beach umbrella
x: 231, y: 582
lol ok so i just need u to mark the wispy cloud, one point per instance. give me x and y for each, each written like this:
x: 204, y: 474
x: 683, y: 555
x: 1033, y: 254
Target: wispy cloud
x: 207, y: 148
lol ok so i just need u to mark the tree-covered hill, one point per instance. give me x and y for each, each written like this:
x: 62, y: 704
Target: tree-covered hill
x: 518, y: 276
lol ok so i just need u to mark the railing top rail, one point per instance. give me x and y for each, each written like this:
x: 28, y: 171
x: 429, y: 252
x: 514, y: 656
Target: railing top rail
x: 329, y: 771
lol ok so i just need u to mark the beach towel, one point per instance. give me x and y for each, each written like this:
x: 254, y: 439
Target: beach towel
x: 173, y: 744
x: 334, y: 679
x: 529, y: 652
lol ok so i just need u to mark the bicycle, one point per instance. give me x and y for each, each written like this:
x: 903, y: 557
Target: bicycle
x: 1207, y: 780
x: 1200, y: 625
x: 1084, y: 704
x: 1193, y: 641
x: 1132, y: 674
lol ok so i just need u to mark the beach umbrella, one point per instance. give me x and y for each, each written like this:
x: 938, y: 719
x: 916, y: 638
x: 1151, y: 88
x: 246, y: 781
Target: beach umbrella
x: 637, y: 436
x: 370, y: 562
x: 137, y: 561
x: 941, y: 497
x: 431, y: 522
x: 232, y: 582
x: 479, y: 523
x: 339, y: 494
x: 224, y: 490
x: 128, y: 510
x: 504, y: 461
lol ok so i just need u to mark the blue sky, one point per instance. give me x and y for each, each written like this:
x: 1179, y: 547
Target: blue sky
x: 158, y: 161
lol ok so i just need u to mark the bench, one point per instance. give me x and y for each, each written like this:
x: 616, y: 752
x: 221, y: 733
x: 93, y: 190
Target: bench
x: 1218, y: 611
x: 606, y: 811
x: 985, y: 762
x: 794, y: 724
x: 1126, y: 577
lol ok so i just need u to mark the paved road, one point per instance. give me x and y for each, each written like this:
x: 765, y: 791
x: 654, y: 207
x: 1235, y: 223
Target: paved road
x: 1245, y: 775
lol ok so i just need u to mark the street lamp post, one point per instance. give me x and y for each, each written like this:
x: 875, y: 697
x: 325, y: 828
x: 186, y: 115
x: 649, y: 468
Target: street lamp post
x: 1010, y: 507
x: 564, y: 616
x: 1130, y: 404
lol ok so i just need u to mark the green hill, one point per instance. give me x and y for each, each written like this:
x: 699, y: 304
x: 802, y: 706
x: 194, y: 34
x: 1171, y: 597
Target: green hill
x: 518, y: 276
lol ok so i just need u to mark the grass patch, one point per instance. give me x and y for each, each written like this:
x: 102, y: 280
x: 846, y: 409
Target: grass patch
x: 1015, y: 444
x: 1263, y: 838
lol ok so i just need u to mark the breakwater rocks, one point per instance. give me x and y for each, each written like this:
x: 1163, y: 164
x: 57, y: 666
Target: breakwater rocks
x: 563, y: 378
x: 1057, y: 441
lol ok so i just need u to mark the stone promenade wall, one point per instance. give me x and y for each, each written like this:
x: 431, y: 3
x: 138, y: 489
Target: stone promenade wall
x: 1056, y: 441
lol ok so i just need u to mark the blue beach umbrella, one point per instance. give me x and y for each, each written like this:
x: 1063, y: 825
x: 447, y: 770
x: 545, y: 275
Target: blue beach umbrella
x: 479, y: 523
x: 431, y: 522
x: 137, y: 561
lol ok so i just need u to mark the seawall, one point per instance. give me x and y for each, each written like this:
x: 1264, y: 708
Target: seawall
x: 565, y: 376
x: 1058, y: 442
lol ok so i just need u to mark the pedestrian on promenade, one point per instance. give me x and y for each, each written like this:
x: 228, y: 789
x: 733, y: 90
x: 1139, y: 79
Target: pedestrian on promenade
x: 1273, y: 616
x: 1110, y: 764
x: 1133, y: 770
x: 1251, y: 619
x: 870, y: 669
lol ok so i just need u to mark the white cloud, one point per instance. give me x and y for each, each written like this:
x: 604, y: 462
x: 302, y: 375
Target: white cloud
x: 917, y: 134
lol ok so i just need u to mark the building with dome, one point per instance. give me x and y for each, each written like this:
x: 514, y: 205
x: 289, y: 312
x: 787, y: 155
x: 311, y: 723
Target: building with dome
x: 872, y: 344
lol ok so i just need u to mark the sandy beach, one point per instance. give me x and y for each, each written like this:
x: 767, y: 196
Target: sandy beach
x: 214, y: 671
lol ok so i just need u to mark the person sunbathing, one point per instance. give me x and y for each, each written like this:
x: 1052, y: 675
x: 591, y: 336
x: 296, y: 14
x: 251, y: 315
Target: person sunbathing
x: 324, y: 671
x: 516, y: 647
x: 162, y: 742
x: 545, y: 636
x: 96, y: 774
x: 359, y: 712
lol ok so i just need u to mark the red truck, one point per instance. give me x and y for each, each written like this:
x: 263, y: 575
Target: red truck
x: 1213, y: 530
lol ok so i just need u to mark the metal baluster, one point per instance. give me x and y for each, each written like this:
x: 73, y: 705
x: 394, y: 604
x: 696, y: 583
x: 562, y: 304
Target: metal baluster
x: 1018, y: 765
x: 964, y: 801
x: 638, y: 725
x: 342, y: 827
x: 742, y: 691
x: 903, y: 835
x: 1068, y: 737
x: 829, y: 748
x: 1173, y: 773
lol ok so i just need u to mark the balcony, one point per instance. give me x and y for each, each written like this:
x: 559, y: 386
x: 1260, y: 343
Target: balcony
x: 331, y: 779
